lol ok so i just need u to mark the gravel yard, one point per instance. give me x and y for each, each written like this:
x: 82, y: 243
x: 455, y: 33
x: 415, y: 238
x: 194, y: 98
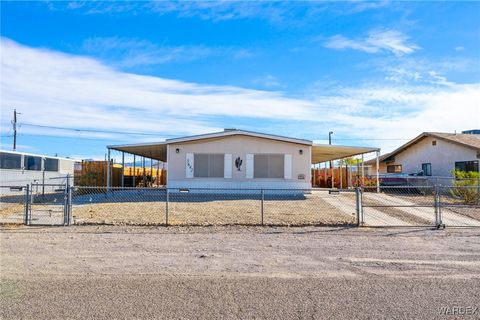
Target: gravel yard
x: 309, y: 211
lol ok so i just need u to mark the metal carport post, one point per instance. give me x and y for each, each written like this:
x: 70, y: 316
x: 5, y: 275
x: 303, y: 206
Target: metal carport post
x: 108, y: 169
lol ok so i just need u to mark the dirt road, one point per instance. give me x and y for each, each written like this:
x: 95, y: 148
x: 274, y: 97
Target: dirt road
x: 107, y: 272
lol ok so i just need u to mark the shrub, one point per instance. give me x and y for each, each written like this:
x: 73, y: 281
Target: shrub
x: 465, y: 186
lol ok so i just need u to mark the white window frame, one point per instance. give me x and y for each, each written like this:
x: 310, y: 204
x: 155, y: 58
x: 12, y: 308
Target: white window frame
x: 268, y: 164
x: 208, y: 167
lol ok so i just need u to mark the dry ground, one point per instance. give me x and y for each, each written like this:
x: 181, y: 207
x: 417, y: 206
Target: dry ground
x: 108, y: 272
x: 313, y: 210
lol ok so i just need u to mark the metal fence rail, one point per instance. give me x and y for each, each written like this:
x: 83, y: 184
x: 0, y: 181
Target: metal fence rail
x: 386, y: 206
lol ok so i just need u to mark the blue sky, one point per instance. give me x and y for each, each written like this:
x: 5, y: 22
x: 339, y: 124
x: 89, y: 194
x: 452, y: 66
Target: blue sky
x: 375, y: 73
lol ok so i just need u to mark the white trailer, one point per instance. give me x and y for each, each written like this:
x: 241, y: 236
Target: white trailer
x: 17, y: 169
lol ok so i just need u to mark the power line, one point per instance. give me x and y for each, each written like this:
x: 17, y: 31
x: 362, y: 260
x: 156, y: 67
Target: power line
x: 93, y: 130
x: 59, y: 137
x: 170, y: 135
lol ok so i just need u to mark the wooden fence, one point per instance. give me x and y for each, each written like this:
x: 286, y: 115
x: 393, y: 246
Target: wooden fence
x: 94, y: 173
x: 342, y: 178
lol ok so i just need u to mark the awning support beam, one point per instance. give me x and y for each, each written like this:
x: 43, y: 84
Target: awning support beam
x: 123, y: 169
x: 108, y: 169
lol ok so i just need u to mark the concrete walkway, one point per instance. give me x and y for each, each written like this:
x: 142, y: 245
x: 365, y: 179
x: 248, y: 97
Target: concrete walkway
x: 372, y: 217
x: 449, y: 218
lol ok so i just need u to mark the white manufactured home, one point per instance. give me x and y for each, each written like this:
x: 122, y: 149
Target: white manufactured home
x: 19, y: 169
x: 239, y: 159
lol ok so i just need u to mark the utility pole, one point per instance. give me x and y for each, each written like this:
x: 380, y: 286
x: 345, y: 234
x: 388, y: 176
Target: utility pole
x: 14, y: 124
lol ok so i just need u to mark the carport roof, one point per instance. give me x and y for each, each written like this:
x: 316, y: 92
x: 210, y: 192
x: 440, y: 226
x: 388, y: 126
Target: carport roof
x: 325, y: 152
x: 154, y: 150
x: 320, y: 152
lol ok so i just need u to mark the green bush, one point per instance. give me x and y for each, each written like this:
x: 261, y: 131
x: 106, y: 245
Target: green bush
x: 465, y: 186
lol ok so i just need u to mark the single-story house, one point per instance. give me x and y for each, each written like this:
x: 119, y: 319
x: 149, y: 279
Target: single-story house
x: 433, y: 154
x: 239, y: 159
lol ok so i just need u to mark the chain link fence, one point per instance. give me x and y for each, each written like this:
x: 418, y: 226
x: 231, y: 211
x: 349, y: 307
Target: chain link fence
x: 13, y: 199
x: 161, y: 206
x: 459, y: 206
x: 385, y: 206
x: 119, y: 206
x: 48, y: 204
x: 399, y: 206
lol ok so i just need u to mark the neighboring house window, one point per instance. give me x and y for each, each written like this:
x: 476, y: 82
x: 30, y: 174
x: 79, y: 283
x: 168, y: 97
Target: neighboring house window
x: 427, y: 169
x: 51, y: 164
x: 268, y: 166
x: 467, y: 166
x: 394, y: 168
x: 10, y: 161
x: 208, y: 165
x: 33, y: 163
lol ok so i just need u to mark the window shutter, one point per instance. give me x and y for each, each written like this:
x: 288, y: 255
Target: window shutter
x: 287, y: 173
x: 249, y: 166
x: 189, y: 165
x: 227, y: 166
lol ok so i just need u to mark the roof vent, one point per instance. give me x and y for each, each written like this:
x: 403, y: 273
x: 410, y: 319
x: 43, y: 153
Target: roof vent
x: 229, y: 129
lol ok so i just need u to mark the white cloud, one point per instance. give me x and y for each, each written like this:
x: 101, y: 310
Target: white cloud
x: 56, y: 89
x: 278, y: 13
x: 268, y: 81
x: 128, y: 52
x: 377, y: 41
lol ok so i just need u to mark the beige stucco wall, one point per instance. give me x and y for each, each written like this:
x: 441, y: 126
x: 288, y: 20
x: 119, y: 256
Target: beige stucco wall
x: 442, y: 156
x: 238, y: 146
x: 382, y: 167
x: 66, y: 166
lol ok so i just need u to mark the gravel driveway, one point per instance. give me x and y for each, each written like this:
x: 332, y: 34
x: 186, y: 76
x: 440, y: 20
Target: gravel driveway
x: 105, y: 272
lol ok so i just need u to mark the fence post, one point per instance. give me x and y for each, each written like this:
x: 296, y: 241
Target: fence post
x: 69, y: 206
x: 27, y: 204
x: 358, y: 206
x: 166, y: 207
x: 439, y: 203
x: 435, y: 204
x: 263, y: 199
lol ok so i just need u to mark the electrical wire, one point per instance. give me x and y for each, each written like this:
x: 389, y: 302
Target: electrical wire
x: 92, y: 130
x: 170, y: 135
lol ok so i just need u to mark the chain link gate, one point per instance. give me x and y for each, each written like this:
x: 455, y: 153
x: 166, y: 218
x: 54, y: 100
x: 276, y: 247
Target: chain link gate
x: 399, y: 206
x: 48, y: 204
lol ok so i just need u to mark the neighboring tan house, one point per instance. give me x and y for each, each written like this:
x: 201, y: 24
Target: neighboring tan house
x: 433, y: 154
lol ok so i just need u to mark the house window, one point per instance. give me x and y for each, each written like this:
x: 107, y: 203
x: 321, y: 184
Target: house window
x: 10, y: 161
x: 208, y: 165
x: 51, y: 164
x: 427, y: 169
x: 268, y: 166
x: 467, y: 166
x: 394, y: 168
x: 434, y: 142
x: 33, y: 163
